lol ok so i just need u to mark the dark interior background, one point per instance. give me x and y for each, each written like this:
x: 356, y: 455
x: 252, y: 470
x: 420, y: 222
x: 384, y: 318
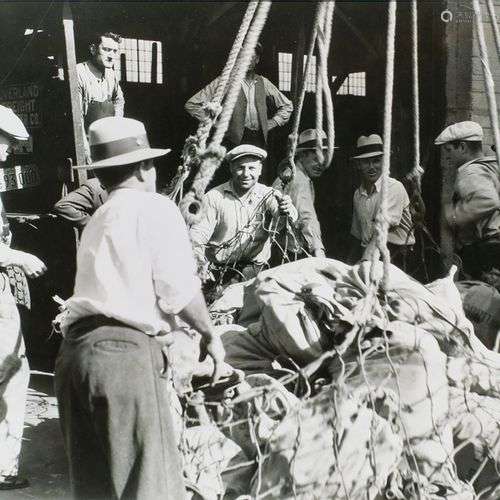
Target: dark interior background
x: 196, y: 39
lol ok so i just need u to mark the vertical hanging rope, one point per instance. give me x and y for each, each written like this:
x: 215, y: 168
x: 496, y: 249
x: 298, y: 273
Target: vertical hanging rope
x: 286, y: 175
x: 319, y: 79
x: 494, y: 25
x: 416, y: 105
x: 381, y: 222
x: 212, y: 157
x: 488, y: 79
x: 324, y: 50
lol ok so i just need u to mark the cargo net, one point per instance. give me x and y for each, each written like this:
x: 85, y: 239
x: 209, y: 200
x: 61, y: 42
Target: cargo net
x: 341, y: 392
x: 265, y: 231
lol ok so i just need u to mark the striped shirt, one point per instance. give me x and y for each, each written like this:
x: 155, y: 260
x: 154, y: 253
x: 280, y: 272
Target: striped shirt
x: 96, y: 86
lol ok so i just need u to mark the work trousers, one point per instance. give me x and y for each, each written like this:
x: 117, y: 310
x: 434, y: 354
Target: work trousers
x: 115, y: 414
x: 14, y: 379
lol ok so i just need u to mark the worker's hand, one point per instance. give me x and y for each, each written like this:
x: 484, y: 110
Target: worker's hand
x: 213, y: 347
x: 32, y: 266
x: 285, y: 205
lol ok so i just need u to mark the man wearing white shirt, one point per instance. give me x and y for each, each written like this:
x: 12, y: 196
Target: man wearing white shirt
x: 366, y: 204
x: 135, y: 274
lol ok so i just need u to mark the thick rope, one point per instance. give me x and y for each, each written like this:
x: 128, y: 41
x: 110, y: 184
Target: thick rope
x: 381, y: 222
x: 286, y: 175
x: 324, y: 49
x: 196, y: 144
x: 416, y: 104
x: 214, y: 154
x: 488, y: 79
x: 494, y: 25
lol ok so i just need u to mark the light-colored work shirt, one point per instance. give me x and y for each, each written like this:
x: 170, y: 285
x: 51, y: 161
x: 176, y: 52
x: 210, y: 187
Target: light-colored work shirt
x: 476, y: 203
x: 236, y: 228
x: 301, y: 191
x: 283, y: 105
x: 365, y: 208
x: 135, y: 263
x: 96, y: 86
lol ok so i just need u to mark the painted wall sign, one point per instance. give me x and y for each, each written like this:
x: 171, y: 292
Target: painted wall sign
x: 19, y: 177
x: 23, y: 99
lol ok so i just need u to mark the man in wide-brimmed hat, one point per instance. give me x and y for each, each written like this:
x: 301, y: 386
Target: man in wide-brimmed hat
x: 301, y: 190
x: 135, y: 275
x: 366, y: 202
x: 14, y: 369
x: 234, y: 228
x: 474, y: 214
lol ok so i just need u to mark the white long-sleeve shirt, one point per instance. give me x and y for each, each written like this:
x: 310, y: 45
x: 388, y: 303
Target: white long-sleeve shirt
x: 135, y: 263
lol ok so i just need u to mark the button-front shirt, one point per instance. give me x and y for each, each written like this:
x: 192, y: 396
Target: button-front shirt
x: 135, y: 263
x: 365, y: 207
x: 236, y: 228
x: 301, y: 191
x: 96, y: 86
x: 283, y: 105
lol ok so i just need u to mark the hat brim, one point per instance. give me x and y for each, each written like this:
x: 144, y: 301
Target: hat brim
x: 313, y: 148
x: 125, y: 159
x: 371, y: 154
x: 250, y: 155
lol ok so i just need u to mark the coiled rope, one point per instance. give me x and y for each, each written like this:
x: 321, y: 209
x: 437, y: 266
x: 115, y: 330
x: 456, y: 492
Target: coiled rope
x: 488, y: 79
x: 212, y: 157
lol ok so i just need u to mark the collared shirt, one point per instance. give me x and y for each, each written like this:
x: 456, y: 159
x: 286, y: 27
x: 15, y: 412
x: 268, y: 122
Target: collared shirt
x: 135, y: 263
x: 283, y: 105
x: 95, y: 86
x: 365, y: 207
x: 235, y: 228
x: 476, y: 201
x: 301, y: 191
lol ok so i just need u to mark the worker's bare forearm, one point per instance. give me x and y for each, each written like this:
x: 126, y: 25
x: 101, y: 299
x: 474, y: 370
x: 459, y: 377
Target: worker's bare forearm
x: 195, y: 314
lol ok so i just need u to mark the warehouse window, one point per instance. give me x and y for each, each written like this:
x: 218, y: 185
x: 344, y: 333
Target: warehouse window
x: 285, y: 71
x: 142, y: 60
x: 354, y: 84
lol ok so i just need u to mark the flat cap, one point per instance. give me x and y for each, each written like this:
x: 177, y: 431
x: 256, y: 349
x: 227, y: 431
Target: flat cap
x: 461, y: 131
x: 11, y: 125
x: 246, y: 150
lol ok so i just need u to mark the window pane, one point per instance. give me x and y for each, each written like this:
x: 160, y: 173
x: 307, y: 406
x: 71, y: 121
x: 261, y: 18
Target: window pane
x: 285, y: 71
x: 139, y: 60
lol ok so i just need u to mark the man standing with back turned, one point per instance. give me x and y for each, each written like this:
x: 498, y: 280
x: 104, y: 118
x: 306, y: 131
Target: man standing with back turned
x: 135, y: 274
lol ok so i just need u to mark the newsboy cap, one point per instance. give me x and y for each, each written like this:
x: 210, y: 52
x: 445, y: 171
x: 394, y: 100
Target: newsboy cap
x: 461, y: 131
x: 11, y: 125
x: 246, y: 150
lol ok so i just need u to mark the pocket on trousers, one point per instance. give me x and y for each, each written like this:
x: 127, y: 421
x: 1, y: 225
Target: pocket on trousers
x: 116, y: 346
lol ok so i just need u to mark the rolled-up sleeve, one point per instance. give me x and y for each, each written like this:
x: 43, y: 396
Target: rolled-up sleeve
x: 284, y: 106
x: 194, y: 106
x: 173, y: 263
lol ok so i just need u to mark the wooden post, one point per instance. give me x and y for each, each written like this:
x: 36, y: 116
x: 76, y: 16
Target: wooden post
x: 76, y: 111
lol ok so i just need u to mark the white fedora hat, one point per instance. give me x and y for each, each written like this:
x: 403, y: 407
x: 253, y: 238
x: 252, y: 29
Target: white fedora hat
x: 116, y: 141
x: 369, y: 146
x: 11, y: 125
x: 307, y: 139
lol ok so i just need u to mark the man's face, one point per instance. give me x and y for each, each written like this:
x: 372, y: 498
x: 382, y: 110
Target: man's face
x: 310, y: 161
x: 454, y: 155
x: 149, y: 175
x: 245, y: 172
x: 105, y: 53
x: 6, y: 144
x: 370, y: 169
